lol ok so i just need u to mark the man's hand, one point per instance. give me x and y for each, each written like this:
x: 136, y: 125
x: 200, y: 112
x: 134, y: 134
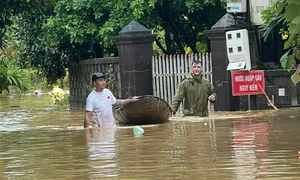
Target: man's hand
x: 85, y: 124
x: 87, y: 119
x: 173, y: 112
x: 212, y: 98
x: 134, y: 99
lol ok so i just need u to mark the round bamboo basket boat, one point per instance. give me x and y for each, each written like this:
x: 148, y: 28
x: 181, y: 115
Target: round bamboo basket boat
x: 148, y: 110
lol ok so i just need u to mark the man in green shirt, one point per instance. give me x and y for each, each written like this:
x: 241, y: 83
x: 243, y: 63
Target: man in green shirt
x: 195, y: 91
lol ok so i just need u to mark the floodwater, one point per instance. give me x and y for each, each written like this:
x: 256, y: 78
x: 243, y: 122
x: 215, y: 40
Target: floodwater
x: 39, y: 141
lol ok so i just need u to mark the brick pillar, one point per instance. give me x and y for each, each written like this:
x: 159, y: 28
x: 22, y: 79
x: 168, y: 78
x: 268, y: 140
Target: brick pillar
x: 135, y: 47
x: 221, y: 77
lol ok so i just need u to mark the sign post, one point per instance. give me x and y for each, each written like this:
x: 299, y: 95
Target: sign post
x: 248, y: 83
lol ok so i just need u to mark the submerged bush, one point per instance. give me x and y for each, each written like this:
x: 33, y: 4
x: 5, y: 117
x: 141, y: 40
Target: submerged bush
x: 59, y: 97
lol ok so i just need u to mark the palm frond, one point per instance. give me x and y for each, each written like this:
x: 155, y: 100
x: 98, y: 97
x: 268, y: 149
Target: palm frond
x: 273, y: 19
x: 272, y: 26
x: 13, y: 77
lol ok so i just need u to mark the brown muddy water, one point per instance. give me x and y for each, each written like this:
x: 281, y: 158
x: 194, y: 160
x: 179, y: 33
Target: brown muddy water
x: 39, y: 141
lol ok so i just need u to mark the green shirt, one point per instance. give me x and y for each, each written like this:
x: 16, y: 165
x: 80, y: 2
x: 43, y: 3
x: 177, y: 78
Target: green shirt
x: 194, y: 92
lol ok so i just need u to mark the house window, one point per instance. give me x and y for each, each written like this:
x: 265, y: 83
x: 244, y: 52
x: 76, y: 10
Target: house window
x: 240, y: 49
x: 229, y: 36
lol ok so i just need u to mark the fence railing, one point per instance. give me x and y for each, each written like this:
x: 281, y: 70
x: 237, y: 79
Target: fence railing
x: 169, y: 70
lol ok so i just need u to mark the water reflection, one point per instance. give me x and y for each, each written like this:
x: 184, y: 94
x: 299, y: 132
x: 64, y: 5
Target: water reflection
x: 250, y: 143
x: 102, y: 152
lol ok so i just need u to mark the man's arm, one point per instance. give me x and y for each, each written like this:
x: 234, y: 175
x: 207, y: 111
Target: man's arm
x: 212, y: 94
x: 121, y: 102
x: 178, y: 98
x: 87, y: 119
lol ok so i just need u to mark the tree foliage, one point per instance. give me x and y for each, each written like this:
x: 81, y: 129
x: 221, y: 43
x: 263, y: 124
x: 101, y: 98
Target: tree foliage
x: 285, y: 14
x: 23, y: 34
x: 184, y: 21
x: 273, y: 19
x: 52, y: 33
x: 97, y: 22
x: 9, y: 8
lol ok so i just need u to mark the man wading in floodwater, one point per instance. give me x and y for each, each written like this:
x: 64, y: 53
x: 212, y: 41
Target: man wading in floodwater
x: 99, y: 104
x: 195, y: 91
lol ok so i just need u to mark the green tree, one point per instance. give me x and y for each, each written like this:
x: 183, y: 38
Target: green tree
x: 9, y: 8
x: 22, y: 30
x: 274, y: 20
x: 285, y: 14
x: 184, y: 21
x: 51, y: 33
x: 95, y: 23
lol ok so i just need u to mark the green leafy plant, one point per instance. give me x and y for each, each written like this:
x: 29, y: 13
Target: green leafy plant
x: 284, y: 17
x: 11, y: 76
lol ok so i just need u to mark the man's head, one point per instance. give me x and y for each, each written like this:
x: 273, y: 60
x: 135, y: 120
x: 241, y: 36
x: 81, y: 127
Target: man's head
x: 99, y: 81
x: 196, y: 67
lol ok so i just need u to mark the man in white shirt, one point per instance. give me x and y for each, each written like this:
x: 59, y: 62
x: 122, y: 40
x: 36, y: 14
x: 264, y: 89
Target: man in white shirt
x: 99, y: 104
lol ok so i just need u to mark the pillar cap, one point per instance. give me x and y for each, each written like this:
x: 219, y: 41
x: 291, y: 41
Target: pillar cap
x: 134, y: 28
x: 230, y: 21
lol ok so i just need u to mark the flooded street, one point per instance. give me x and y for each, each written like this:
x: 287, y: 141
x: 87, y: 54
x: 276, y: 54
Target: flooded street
x: 39, y: 141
